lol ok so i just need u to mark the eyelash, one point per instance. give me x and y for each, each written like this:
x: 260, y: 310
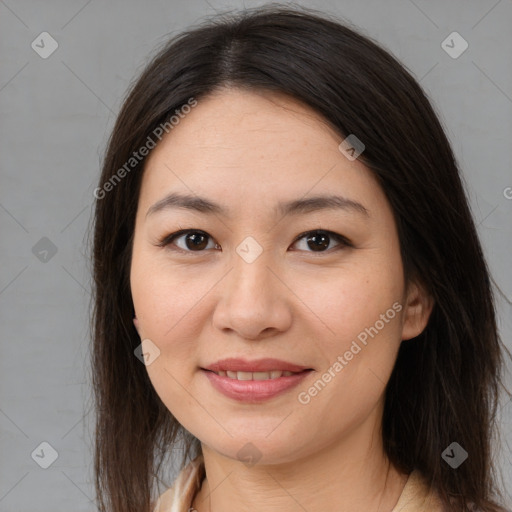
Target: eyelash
x: 167, y: 240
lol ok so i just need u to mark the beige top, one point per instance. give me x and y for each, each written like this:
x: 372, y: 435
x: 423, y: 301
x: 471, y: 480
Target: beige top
x: 416, y: 495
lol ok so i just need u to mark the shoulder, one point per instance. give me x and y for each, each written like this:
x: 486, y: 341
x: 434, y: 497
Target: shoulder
x: 179, y: 497
x: 418, y: 496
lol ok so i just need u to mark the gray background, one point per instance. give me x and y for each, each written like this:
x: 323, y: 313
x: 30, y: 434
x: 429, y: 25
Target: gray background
x: 56, y: 114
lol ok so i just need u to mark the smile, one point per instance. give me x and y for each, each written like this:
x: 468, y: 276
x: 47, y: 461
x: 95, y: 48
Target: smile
x: 254, y: 387
x: 273, y: 374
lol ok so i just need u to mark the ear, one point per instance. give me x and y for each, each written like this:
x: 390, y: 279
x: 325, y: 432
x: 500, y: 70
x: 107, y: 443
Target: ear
x: 418, y: 307
x: 136, y: 324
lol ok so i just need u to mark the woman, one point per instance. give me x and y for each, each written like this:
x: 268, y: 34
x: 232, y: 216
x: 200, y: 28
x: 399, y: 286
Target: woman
x: 283, y: 239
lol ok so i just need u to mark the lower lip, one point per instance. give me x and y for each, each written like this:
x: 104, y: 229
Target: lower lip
x: 254, y: 390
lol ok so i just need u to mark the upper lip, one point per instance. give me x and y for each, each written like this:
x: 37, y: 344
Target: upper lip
x: 258, y: 365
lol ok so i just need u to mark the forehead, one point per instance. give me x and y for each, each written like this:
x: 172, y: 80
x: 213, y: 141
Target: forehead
x: 261, y: 146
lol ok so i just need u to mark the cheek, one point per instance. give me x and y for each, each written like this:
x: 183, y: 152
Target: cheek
x: 164, y: 296
x: 170, y: 306
x: 353, y: 299
x: 167, y: 304
x: 358, y: 336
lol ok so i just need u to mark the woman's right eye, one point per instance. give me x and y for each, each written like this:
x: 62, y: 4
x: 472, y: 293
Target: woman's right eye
x: 191, y: 240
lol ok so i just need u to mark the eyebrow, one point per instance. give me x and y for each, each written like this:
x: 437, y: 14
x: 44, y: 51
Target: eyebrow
x: 298, y: 206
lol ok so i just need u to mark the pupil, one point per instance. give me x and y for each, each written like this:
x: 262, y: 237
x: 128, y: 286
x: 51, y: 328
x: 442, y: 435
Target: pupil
x: 320, y: 238
x: 316, y: 242
x: 198, y: 241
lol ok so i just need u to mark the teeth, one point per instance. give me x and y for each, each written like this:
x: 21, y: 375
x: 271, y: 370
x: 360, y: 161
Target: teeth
x: 274, y: 374
x: 263, y: 375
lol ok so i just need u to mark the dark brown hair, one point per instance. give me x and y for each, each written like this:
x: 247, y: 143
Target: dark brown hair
x: 446, y: 381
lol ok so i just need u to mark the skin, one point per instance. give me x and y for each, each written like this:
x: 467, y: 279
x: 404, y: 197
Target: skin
x: 248, y: 151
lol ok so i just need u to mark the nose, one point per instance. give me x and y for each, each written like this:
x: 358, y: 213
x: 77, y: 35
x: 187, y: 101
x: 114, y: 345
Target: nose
x: 254, y: 301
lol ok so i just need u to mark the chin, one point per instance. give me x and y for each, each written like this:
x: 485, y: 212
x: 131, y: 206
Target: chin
x: 257, y: 449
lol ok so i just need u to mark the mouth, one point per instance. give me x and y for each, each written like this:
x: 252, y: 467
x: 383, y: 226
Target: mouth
x: 269, y: 375
x: 258, y: 368
x: 254, y: 381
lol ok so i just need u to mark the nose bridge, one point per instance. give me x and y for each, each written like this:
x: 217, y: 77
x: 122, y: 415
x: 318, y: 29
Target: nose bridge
x: 251, y: 277
x: 252, y: 299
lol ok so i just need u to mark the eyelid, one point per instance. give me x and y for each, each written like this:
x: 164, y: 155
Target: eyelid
x: 168, y: 239
x: 340, y: 238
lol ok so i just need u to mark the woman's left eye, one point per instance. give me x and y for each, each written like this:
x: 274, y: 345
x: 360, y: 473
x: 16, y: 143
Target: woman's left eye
x: 193, y: 240
x: 320, y: 240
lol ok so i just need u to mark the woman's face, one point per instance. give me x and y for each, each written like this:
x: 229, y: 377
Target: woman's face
x: 255, y: 283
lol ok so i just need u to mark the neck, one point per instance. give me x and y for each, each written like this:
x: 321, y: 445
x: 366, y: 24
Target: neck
x: 350, y: 475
